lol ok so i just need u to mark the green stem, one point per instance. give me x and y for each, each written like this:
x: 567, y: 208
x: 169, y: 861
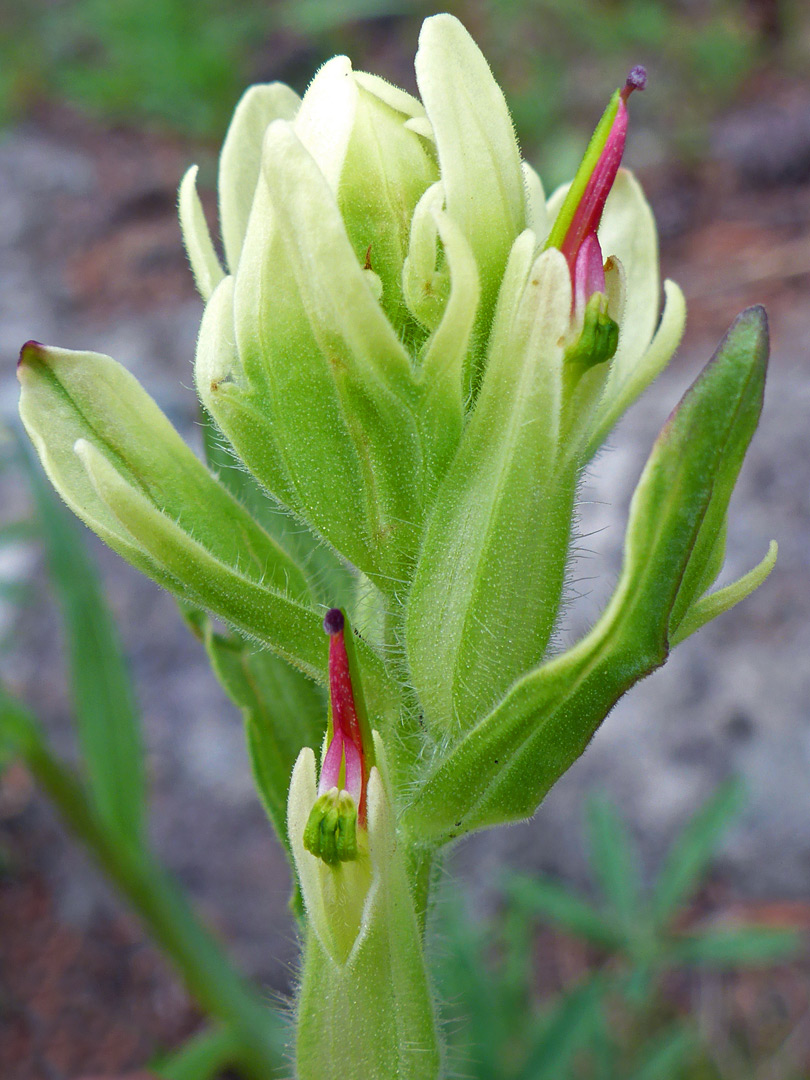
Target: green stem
x: 164, y: 910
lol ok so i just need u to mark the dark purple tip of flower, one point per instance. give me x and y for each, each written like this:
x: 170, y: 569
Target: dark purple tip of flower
x: 29, y: 346
x: 333, y: 621
x: 636, y: 80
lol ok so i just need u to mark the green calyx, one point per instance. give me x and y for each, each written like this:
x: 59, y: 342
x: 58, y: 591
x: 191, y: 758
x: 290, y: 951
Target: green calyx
x: 599, y: 338
x: 331, y: 831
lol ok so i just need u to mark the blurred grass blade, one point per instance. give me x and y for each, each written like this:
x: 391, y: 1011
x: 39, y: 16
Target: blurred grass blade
x: 545, y: 899
x: 107, y: 720
x: 204, y: 1056
x: 663, y: 1057
x: 466, y: 983
x: 692, y: 852
x: 744, y: 947
x: 614, y: 862
x: 567, y: 1030
x: 160, y: 904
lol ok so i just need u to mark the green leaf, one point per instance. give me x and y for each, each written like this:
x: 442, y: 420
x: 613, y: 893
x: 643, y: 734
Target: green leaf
x: 735, y: 948
x: 691, y: 853
x: 283, y: 712
x: 544, y: 898
x: 107, y: 719
x: 503, y: 766
x: 291, y: 629
x: 614, y: 862
x: 478, y: 153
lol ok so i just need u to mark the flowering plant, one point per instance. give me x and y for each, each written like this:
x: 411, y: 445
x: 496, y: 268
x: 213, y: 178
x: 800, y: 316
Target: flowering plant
x: 406, y: 361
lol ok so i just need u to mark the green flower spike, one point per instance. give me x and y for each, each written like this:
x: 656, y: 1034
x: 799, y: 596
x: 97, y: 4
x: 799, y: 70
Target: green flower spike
x: 407, y: 359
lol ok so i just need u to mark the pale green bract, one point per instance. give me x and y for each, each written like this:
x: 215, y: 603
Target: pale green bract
x: 395, y: 427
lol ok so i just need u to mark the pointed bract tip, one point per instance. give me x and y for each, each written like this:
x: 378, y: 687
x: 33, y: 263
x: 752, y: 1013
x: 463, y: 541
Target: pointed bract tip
x: 333, y: 621
x: 756, y: 313
x: 636, y: 80
x: 29, y: 347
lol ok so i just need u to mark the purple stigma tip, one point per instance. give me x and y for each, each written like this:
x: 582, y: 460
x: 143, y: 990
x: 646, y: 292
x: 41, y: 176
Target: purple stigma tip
x: 333, y: 621
x: 637, y: 79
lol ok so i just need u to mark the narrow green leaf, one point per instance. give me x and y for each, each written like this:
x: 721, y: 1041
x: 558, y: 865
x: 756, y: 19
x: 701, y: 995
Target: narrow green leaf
x: 664, y: 1056
x: 291, y: 629
x: 501, y: 768
x: 203, y: 1057
x: 691, y: 853
x: 566, y: 1031
x: 107, y: 720
x: 158, y: 902
x: 544, y: 898
x: 736, y: 948
x: 614, y: 862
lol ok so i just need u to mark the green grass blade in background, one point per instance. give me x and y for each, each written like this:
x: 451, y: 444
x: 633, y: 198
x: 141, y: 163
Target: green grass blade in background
x: 107, y: 721
x: 663, y: 1057
x: 614, y: 862
x: 740, y: 947
x: 163, y: 908
x: 544, y: 899
x: 567, y: 1029
x: 693, y: 850
x: 205, y: 1056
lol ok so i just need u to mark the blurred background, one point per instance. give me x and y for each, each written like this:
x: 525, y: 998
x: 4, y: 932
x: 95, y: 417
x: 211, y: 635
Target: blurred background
x: 102, y: 106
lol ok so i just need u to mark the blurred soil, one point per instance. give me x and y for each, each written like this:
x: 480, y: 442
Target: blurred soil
x: 90, y: 257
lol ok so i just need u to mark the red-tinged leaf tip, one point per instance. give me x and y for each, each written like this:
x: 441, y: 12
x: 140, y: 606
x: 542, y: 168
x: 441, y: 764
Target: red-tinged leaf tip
x: 333, y: 621
x: 636, y: 80
x: 29, y: 347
